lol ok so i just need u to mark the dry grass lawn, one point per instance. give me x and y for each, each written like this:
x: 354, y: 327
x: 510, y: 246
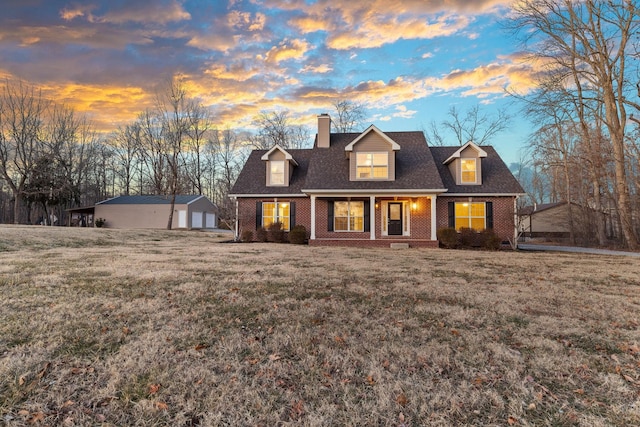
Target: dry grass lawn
x: 155, y: 328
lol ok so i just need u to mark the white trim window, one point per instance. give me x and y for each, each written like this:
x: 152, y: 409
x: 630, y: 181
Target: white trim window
x: 276, y: 212
x: 348, y: 216
x: 470, y: 215
x: 468, y: 171
x: 276, y: 169
x: 372, y: 165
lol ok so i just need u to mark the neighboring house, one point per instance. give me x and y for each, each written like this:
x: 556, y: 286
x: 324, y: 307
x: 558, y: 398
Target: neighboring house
x: 376, y: 189
x: 547, y: 220
x: 190, y: 212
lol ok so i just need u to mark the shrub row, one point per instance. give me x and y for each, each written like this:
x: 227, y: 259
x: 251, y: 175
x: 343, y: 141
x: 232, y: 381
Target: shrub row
x: 468, y: 238
x: 275, y: 233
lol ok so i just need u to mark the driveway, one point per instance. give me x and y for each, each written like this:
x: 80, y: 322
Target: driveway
x: 574, y: 249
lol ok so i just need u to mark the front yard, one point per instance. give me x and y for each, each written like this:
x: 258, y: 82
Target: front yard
x: 112, y: 327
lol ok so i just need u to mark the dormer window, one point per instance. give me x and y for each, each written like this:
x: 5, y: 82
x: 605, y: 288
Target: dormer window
x: 465, y: 164
x: 372, y: 165
x: 276, y: 168
x: 468, y: 171
x: 279, y: 166
x: 372, y: 156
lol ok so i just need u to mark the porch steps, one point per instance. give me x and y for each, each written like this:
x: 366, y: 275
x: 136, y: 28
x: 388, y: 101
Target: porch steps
x: 399, y: 246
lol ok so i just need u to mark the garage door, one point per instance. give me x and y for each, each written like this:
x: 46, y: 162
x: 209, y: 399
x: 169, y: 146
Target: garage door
x: 196, y: 220
x: 211, y: 220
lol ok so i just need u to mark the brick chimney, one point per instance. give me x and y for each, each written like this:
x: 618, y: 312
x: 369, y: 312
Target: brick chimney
x: 324, y: 130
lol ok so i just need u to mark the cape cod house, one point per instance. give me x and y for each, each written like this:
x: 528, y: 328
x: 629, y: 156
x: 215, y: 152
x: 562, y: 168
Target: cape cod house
x: 376, y: 189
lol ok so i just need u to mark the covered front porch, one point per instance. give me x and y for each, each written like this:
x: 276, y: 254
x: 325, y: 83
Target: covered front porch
x: 373, y: 220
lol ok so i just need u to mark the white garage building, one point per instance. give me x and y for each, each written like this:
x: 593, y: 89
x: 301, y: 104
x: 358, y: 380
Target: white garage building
x: 190, y: 212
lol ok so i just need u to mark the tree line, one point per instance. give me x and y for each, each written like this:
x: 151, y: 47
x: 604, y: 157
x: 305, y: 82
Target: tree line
x: 52, y: 159
x: 584, y: 149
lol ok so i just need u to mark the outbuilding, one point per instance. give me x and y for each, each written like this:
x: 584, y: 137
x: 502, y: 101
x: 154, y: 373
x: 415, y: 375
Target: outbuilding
x: 190, y: 212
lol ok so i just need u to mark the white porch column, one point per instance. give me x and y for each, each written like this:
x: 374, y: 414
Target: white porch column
x: 372, y: 217
x: 434, y: 223
x: 313, y: 218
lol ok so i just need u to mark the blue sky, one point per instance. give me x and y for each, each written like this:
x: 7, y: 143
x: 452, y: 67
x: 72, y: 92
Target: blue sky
x: 408, y: 61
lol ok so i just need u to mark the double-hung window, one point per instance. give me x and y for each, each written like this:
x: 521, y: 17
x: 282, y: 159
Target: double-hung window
x: 348, y: 216
x: 470, y: 215
x: 276, y: 170
x: 372, y: 165
x: 276, y: 212
x: 468, y: 171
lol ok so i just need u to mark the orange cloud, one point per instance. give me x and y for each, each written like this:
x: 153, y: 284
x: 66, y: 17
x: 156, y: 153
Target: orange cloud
x: 236, y: 72
x: 514, y: 74
x: 351, y: 24
x: 378, y: 33
x: 106, y: 106
x: 293, y: 49
x: 69, y: 14
x: 212, y: 41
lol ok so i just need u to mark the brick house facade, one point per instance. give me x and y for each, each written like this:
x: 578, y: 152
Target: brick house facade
x: 376, y: 189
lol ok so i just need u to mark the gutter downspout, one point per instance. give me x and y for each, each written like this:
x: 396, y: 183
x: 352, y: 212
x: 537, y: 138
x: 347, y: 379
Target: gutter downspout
x: 515, y: 222
x: 236, y: 237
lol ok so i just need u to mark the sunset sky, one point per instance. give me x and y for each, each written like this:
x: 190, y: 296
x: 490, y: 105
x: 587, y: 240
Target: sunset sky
x: 408, y: 61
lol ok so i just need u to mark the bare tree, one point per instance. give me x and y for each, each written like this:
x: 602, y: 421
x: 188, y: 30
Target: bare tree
x: 22, y: 114
x: 151, y: 148
x: 474, y: 125
x: 172, y: 108
x: 299, y: 137
x: 229, y: 160
x: 273, y: 128
x: 199, y: 127
x: 591, y: 40
x: 349, y: 117
x: 126, y: 151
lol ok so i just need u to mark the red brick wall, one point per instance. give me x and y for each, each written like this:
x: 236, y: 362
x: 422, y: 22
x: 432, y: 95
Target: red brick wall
x: 502, y: 213
x: 247, y: 212
x: 420, y: 220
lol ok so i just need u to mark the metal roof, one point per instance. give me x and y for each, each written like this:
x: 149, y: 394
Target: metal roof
x: 181, y: 199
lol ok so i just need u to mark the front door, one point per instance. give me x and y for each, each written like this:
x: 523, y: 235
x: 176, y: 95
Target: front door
x: 395, y: 219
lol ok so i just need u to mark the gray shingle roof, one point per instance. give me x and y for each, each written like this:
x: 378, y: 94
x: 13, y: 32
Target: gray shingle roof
x: 415, y: 169
x: 496, y: 176
x: 181, y: 199
x: 253, y: 179
x: 418, y: 167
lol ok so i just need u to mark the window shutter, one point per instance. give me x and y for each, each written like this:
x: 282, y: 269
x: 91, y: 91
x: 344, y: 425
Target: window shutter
x: 258, y: 214
x: 292, y: 215
x: 367, y: 216
x: 452, y: 214
x: 488, y: 210
x: 330, y: 215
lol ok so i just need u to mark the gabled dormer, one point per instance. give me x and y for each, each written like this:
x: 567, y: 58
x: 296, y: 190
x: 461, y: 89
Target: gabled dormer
x: 279, y: 166
x: 465, y: 164
x: 372, y: 156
